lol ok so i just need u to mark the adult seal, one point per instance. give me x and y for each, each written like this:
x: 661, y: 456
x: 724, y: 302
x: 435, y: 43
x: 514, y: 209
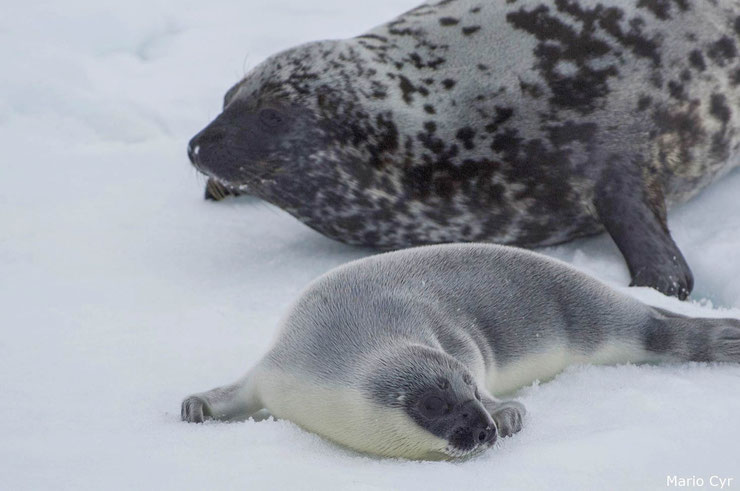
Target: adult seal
x: 522, y: 122
x: 402, y: 354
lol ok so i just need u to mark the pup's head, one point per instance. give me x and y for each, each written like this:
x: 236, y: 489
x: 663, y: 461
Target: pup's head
x: 432, y: 406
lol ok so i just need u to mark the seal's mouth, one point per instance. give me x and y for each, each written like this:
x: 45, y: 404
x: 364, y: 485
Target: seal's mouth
x: 222, y: 186
x: 242, y: 178
x: 459, y: 453
x: 217, y: 191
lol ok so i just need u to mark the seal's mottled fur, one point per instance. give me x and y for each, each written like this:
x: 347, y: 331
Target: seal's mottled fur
x: 518, y: 122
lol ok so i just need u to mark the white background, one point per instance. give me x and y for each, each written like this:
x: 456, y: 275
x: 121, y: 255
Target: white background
x: 121, y: 290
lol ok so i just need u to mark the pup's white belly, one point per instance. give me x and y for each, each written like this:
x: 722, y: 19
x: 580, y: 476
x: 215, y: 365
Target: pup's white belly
x: 546, y: 364
x: 345, y: 416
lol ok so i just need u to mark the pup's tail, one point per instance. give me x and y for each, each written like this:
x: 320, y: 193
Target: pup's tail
x: 693, y: 339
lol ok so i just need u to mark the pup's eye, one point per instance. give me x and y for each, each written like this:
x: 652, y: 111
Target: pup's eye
x: 271, y: 118
x: 432, y: 407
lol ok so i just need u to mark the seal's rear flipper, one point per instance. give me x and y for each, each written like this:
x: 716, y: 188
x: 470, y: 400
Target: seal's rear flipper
x: 726, y: 340
x: 634, y: 214
x: 693, y: 339
x: 216, y: 191
x: 234, y: 402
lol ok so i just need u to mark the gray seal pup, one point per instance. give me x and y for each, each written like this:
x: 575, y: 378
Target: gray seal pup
x: 523, y: 122
x: 403, y: 354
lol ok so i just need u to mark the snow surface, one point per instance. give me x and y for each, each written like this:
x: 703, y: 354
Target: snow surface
x: 122, y: 291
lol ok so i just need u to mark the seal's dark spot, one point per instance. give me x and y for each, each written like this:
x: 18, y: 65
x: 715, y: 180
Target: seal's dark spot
x: 448, y: 21
x: 721, y: 111
x: 719, y: 108
x: 697, y: 60
x: 676, y: 90
x: 662, y: 9
x: 386, y: 138
x: 503, y: 114
x: 722, y: 51
x: 470, y: 30
x: 533, y: 90
x: 407, y: 89
x: 466, y: 135
x: 644, y: 102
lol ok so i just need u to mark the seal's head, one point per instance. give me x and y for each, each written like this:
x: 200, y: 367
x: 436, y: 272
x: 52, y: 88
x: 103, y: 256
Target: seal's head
x: 307, y: 130
x: 283, y: 122
x: 440, y: 411
x: 267, y: 129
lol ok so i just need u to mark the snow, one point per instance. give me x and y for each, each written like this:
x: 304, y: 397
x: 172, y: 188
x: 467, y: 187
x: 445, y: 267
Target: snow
x: 123, y: 291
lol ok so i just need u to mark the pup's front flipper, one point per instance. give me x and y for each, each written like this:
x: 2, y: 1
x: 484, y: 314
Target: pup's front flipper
x: 229, y: 403
x: 509, y: 416
x: 195, y: 410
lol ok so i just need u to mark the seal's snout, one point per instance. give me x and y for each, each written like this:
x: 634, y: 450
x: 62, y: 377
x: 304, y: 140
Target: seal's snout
x: 214, y: 153
x: 236, y: 147
x: 193, y: 151
x: 486, y: 435
x: 475, y: 427
x: 209, y: 139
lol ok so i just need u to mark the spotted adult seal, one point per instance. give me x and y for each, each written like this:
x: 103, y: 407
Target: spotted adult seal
x: 401, y: 354
x: 521, y: 122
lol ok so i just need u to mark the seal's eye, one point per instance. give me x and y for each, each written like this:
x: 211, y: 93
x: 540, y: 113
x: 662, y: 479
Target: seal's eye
x: 271, y: 118
x: 432, y: 406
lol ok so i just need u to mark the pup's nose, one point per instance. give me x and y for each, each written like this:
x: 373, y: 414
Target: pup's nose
x: 486, y: 435
x: 477, y: 418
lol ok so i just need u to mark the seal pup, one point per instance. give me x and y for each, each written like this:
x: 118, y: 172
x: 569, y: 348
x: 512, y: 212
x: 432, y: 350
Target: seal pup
x: 524, y: 122
x: 403, y: 354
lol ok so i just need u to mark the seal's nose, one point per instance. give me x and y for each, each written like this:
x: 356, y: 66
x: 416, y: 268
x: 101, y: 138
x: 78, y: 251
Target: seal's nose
x: 193, y: 151
x: 486, y: 435
x: 479, y: 421
x: 212, y: 138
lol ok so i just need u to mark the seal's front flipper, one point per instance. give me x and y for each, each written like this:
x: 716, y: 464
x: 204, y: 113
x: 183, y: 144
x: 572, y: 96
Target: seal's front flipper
x: 509, y: 415
x: 216, y: 191
x: 195, y: 409
x: 634, y: 214
x: 230, y: 403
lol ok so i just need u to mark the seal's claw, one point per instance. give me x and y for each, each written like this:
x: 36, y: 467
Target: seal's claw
x: 194, y: 410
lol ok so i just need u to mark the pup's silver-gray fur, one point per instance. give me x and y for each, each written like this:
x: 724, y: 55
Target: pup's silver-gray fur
x: 401, y: 354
